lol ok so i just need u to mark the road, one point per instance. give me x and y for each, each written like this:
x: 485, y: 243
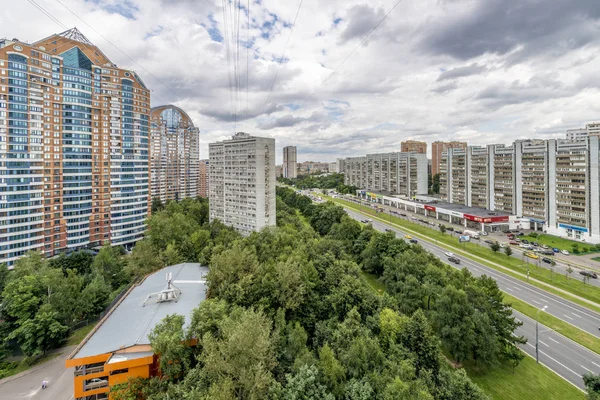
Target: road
x: 567, y: 358
x: 28, y: 385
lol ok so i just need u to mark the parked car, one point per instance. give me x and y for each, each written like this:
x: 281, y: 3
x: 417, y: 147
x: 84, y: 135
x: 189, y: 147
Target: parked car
x: 502, y: 245
x: 458, y: 232
x: 547, y: 252
x: 525, y: 246
x: 517, y: 240
x: 402, y: 215
x: 520, y: 234
x: 449, y: 254
x: 556, y: 250
x: 547, y: 260
x: 483, y: 233
x: 589, y: 273
x: 544, y: 247
x: 532, y: 255
x: 513, y: 243
x: 488, y: 241
x: 414, y: 241
x: 525, y: 241
x: 565, y: 252
x: 450, y: 229
x: 364, y: 221
x: 535, y: 244
x: 454, y: 260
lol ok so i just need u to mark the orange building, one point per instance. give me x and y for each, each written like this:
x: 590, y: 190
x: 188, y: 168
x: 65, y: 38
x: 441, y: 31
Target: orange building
x: 118, y: 347
x: 413, y: 146
x: 437, y: 148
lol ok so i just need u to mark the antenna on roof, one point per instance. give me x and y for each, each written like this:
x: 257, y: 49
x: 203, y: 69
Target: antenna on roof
x: 169, y: 293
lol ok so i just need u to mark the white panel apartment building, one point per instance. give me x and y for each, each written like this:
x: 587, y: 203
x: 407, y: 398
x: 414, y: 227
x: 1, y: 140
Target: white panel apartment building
x: 290, y: 168
x: 553, y: 183
x: 402, y: 174
x: 242, y: 182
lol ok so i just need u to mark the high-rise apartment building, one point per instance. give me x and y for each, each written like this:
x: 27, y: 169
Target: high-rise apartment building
x: 333, y: 168
x: 242, y: 182
x: 203, y: 179
x: 402, y: 174
x: 555, y: 184
x: 74, y: 131
x: 290, y: 158
x: 591, y: 129
x: 437, y: 148
x: 413, y: 146
x: 175, y: 154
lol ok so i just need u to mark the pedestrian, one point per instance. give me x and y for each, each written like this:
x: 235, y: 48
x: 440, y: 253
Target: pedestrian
x: 44, y: 384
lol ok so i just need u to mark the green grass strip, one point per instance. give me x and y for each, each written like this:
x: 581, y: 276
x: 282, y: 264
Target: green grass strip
x: 544, y: 279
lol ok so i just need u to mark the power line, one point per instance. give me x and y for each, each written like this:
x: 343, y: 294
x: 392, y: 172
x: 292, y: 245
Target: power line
x: 47, y: 13
x: 282, y: 55
x: 225, y: 4
x: 247, y: 60
x: 356, y: 48
x: 121, y: 51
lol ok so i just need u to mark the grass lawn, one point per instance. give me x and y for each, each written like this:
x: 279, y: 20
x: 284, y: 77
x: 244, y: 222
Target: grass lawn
x: 490, y: 259
x: 530, y: 381
x: 373, y: 282
x: 77, y: 336
x: 596, y: 259
x: 560, y: 243
x: 24, y: 366
x: 575, y: 334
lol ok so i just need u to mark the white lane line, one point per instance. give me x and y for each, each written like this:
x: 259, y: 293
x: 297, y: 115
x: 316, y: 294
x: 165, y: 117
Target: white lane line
x: 509, y: 289
x: 596, y: 364
x: 536, y: 302
x: 555, y: 341
x: 558, y: 362
x: 587, y: 369
x: 544, y: 344
x: 516, y: 288
x: 578, y: 316
x: 566, y: 316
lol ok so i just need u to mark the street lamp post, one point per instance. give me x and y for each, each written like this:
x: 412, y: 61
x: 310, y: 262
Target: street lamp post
x: 537, y: 334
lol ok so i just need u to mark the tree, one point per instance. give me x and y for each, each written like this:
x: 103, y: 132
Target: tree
x: 495, y: 246
x: 305, y: 385
x: 569, y: 272
x: 168, y: 341
x: 514, y: 355
x: 435, y: 186
x: 508, y: 251
x: 443, y: 229
x: 143, y: 260
x: 417, y: 335
x: 41, y: 333
x: 332, y: 372
x: 171, y: 255
x: 157, y: 205
x: 592, y: 385
x: 108, y: 263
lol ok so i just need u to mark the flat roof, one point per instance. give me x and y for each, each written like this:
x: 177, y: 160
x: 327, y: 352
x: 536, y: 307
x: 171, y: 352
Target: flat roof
x: 130, y: 322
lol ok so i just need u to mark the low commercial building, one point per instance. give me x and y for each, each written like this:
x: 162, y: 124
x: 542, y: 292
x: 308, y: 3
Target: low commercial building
x: 552, y: 183
x: 402, y: 174
x: 118, y: 347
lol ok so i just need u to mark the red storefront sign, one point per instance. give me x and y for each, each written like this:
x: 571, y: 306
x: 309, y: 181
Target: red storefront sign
x: 430, y: 208
x: 486, y: 220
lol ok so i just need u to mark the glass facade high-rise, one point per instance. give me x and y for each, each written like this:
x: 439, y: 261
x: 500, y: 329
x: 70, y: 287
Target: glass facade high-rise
x: 74, y: 132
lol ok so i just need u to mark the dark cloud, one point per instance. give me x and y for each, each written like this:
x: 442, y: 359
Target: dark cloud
x: 536, y: 90
x: 459, y: 72
x: 500, y: 26
x: 317, y: 120
x: 362, y: 19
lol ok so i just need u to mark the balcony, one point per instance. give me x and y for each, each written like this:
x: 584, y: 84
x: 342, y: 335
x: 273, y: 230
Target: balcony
x: 95, y: 383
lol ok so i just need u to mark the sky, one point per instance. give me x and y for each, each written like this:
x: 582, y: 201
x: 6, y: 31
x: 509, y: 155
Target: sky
x: 480, y: 71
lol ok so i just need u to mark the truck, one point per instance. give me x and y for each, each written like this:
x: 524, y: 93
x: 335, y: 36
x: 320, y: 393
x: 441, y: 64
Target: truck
x: 473, y: 234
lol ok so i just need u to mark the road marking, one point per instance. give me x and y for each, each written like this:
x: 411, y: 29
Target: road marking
x: 578, y: 316
x: 555, y: 341
x: 516, y: 288
x: 544, y: 343
x: 536, y: 302
x: 509, y: 289
x: 566, y: 316
x: 596, y: 364
x: 587, y: 369
x: 556, y: 361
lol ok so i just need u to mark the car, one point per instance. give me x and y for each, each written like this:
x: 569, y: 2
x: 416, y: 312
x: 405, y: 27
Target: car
x: 525, y: 246
x: 513, y: 243
x: 458, y: 232
x: 556, y: 250
x: 565, y: 252
x: 488, y: 241
x: 408, y: 237
x: 449, y: 254
x: 414, y: 241
x: 547, y: 252
x: 483, y: 233
x: 449, y: 229
x: 388, y: 230
x: 589, y: 274
x: 532, y: 255
x: 547, y: 260
x: 364, y: 221
x: 520, y: 234
x: 454, y: 260
x: 525, y: 241
x: 502, y: 245
x: 402, y: 215
x: 535, y: 244
x: 432, y: 223
x: 544, y: 247
x: 517, y: 240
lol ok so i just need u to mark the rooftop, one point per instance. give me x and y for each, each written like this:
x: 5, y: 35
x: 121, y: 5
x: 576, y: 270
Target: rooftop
x: 130, y: 322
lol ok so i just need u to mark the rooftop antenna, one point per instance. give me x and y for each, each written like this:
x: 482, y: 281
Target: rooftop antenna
x: 169, y: 293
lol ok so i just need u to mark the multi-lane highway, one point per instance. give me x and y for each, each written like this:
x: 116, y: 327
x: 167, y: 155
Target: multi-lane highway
x: 567, y: 358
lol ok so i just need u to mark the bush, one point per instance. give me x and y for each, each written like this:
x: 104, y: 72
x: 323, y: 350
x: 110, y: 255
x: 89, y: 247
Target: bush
x: 534, y: 234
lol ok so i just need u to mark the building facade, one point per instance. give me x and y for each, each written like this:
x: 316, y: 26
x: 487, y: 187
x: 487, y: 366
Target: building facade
x: 554, y: 184
x: 290, y: 158
x: 312, y: 167
x: 242, y: 182
x: 333, y: 167
x: 403, y: 174
x: 437, y: 148
x: 591, y: 129
x: 413, y: 146
x: 175, y: 154
x: 203, y: 179
x: 74, y: 132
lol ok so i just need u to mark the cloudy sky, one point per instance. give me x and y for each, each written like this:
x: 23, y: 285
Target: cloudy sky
x: 482, y: 71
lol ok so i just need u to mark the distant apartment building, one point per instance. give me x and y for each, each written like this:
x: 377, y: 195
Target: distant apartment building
x: 175, y: 154
x: 74, y: 132
x: 591, y: 129
x: 290, y: 169
x: 311, y: 167
x: 341, y: 165
x: 437, y: 148
x: 203, y: 179
x: 333, y: 167
x: 413, y: 146
x: 554, y: 184
x: 403, y: 174
x: 278, y: 171
x: 242, y: 182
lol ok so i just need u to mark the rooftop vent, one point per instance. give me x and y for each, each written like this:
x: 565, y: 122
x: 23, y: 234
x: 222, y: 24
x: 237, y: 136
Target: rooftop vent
x: 169, y: 293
